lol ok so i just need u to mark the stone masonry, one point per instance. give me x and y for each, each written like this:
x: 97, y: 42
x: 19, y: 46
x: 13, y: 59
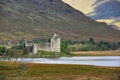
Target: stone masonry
x: 53, y: 45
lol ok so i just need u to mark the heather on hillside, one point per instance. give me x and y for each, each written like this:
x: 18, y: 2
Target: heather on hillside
x: 40, y: 18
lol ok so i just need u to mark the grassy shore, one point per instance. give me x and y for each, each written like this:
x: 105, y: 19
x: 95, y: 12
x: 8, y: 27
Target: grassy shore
x: 44, y: 54
x: 81, y: 53
x: 96, y: 53
x: 30, y: 71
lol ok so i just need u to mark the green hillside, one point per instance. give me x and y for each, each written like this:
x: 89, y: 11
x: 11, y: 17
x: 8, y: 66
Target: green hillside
x: 41, y: 18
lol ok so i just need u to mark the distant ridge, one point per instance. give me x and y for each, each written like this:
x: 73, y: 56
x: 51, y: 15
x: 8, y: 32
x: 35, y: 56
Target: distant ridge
x: 41, y: 18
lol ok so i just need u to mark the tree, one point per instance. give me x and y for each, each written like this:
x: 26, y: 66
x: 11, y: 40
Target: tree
x: 64, y: 46
x: 104, y: 45
x: 3, y: 50
x: 91, y: 41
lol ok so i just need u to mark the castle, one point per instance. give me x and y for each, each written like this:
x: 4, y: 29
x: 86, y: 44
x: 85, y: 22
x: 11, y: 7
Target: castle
x: 53, y: 45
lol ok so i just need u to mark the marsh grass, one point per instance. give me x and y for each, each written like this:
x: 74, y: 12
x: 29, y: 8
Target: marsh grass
x: 96, y: 53
x: 45, y: 54
x: 29, y: 71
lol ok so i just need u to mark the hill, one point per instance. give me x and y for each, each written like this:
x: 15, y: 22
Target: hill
x: 40, y: 18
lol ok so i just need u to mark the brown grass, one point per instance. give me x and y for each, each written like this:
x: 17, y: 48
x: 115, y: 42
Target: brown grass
x: 96, y: 53
x: 11, y: 71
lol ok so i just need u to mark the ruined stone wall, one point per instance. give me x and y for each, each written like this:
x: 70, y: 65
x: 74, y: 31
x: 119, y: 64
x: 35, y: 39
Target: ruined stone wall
x: 52, y: 46
x: 44, y: 47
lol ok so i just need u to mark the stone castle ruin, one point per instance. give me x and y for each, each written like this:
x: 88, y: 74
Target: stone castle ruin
x: 53, y: 45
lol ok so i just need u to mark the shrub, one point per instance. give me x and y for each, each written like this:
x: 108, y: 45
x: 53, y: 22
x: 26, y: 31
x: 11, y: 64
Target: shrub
x: 2, y: 50
x: 23, y: 67
x: 64, y: 46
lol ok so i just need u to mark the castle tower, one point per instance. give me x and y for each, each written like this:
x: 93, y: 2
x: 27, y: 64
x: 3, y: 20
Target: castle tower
x: 55, y: 43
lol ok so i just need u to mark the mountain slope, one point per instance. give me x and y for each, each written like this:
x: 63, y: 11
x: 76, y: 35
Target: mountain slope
x: 40, y: 18
x: 101, y: 10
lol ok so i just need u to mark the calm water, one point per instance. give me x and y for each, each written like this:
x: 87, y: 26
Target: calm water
x: 96, y: 60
